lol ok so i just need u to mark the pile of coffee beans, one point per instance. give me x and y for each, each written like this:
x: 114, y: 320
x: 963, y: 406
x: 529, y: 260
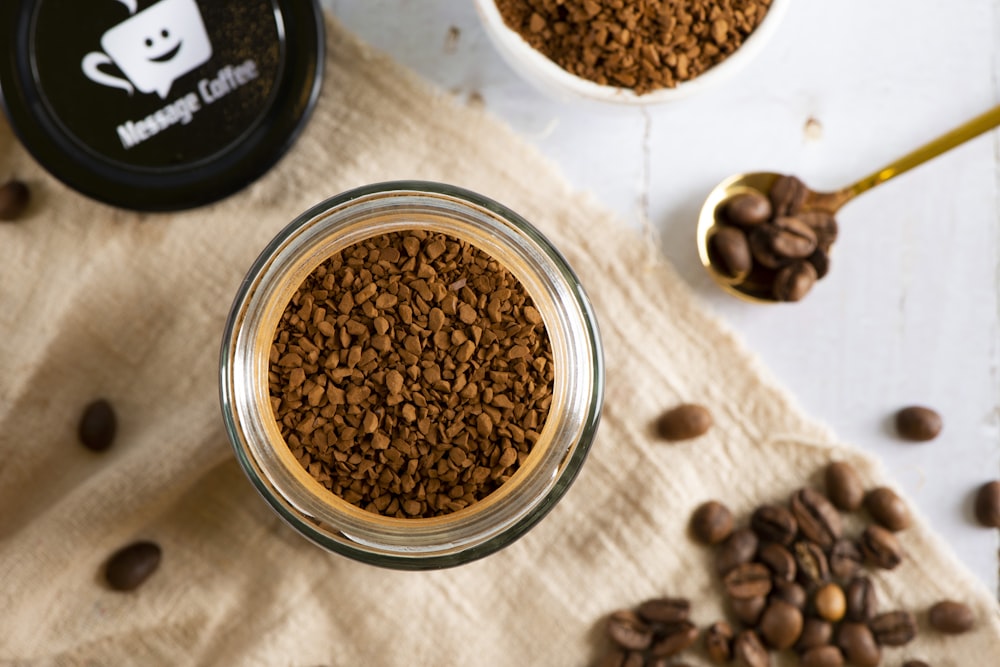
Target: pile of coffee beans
x: 651, y: 634
x: 643, y: 46
x: 14, y: 199
x: 774, y: 242
x: 411, y: 374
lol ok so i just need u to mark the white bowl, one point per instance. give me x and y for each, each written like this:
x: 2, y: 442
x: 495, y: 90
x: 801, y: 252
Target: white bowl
x: 543, y: 73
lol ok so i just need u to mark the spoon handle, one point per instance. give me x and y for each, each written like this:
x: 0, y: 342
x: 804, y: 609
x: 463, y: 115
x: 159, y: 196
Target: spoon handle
x: 945, y: 142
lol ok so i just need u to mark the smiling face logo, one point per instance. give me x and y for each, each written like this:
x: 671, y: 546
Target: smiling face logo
x: 153, y: 48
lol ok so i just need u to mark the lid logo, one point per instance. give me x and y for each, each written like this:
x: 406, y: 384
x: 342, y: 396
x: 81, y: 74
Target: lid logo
x: 152, y: 48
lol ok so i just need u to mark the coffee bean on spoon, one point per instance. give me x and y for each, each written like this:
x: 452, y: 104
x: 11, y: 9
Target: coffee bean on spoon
x: 729, y: 251
x: 748, y: 208
x: 793, y: 282
x: 132, y: 565
x: 787, y: 195
x: 918, y: 423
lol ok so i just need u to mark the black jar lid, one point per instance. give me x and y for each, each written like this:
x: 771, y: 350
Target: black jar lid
x: 159, y: 105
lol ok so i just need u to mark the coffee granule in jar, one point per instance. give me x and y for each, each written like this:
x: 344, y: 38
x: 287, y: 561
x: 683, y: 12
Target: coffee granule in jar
x: 643, y: 45
x: 411, y: 374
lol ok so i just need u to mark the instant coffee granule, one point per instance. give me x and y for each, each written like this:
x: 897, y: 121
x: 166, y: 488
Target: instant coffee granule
x: 642, y: 44
x: 411, y: 374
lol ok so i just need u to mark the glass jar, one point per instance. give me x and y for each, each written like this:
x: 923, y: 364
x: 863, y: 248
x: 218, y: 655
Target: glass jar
x: 546, y: 473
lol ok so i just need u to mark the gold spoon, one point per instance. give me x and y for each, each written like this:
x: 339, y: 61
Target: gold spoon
x: 758, y: 289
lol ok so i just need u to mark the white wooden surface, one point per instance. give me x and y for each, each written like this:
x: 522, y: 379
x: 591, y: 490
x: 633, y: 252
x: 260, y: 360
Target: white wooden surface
x: 909, y: 313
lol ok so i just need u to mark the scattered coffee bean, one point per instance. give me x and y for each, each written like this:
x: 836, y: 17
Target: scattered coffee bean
x: 778, y: 560
x: 815, y: 632
x: 811, y: 563
x: 843, y: 486
x: 881, y: 547
x: 673, y: 639
x: 748, y: 651
x: 858, y: 645
x: 748, y: 208
x: 780, y: 625
x: 818, y: 520
x: 794, y: 281
x: 97, y: 426
x: 730, y: 251
x: 862, y: 602
x: 788, y: 194
x: 740, y: 547
x: 988, y: 504
x: 719, y: 642
x: 748, y: 610
x: 918, y: 423
x: 888, y: 509
x: 845, y: 559
x: 749, y: 580
x: 712, y: 522
x: 822, y: 656
x: 616, y: 657
x: 14, y: 198
x: 790, y: 592
x: 915, y: 663
x: 829, y: 602
x: 774, y: 523
x: 629, y: 631
x: 684, y: 422
x: 130, y: 566
x: 893, y: 628
x: 951, y: 617
x: 664, y: 610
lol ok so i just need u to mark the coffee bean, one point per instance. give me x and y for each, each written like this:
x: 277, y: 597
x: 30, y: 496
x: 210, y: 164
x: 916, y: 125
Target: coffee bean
x: 780, y: 624
x: 915, y: 663
x: 664, y: 610
x: 858, y: 645
x: 893, y: 628
x: 748, y: 208
x: 712, y: 522
x: 818, y: 520
x: 815, y: 632
x: 988, y: 504
x: 845, y: 559
x: 918, y: 423
x: 97, y: 426
x: 616, y: 658
x: 634, y: 659
x: 748, y: 580
x: 665, y: 661
x: 820, y: 259
x: 787, y: 195
x: 684, y: 422
x: 130, y: 566
x: 811, y: 563
x: 719, y: 642
x: 629, y: 631
x: 794, y: 281
x: 843, y: 486
x: 673, y: 639
x: 862, y: 601
x: 823, y: 225
x: 822, y: 656
x: 748, y: 650
x: 740, y: 547
x: 790, y: 592
x: 774, y: 523
x: 748, y: 610
x: 829, y: 602
x: 762, y: 247
x: 888, y: 509
x: 729, y: 251
x: 14, y: 198
x: 951, y: 617
x: 881, y: 547
x: 792, y: 238
x: 778, y: 560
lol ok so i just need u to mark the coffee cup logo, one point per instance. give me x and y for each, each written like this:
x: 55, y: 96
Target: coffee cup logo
x: 152, y: 48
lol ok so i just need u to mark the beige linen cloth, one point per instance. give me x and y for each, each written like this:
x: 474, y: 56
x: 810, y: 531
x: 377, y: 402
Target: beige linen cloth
x: 96, y: 302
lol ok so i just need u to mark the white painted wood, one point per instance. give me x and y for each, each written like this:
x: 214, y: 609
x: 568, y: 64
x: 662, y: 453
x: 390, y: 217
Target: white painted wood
x: 909, y: 313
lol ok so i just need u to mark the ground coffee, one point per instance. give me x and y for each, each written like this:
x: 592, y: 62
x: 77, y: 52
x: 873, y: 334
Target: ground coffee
x: 411, y: 374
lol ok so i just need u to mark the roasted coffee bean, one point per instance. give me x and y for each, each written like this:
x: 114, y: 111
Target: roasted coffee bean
x: 790, y: 592
x: 748, y: 580
x: 664, y: 610
x: 684, y: 422
x: 815, y: 632
x: 862, y: 602
x: 748, y: 651
x: 778, y: 560
x: 858, y: 645
x: 652, y: 661
x: 893, y: 628
x: 918, y: 423
x: 794, y: 281
x: 14, y: 198
x: 988, y: 504
x: 822, y: 656
x: 818, y: 520
x: 845, y: 559
x: 820, y: 259
x: 780, y: 625
x: 881, y: 547
x: 729, y: 251
x: 811, y: 563
x: 951, y: 617
x: 719, y: 642
x: 616, y: 657
x: 843, y: 486
x: 130, y: 566
x: 748, y: 610
x: 915, y: 663
x: 774, y: 523
x: 740, y: 547
x: 673, y: 639
x: 629, y: 631
x: 888, y: 509
x: 823, y: 225
x: 792, y: 238
x: 712, y: 522
x: 634, y: 659
x: 97, y: 426
x: 787, y: 195
x: 748, y: 208
x: 829, y: 602
x: 762, y: 248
